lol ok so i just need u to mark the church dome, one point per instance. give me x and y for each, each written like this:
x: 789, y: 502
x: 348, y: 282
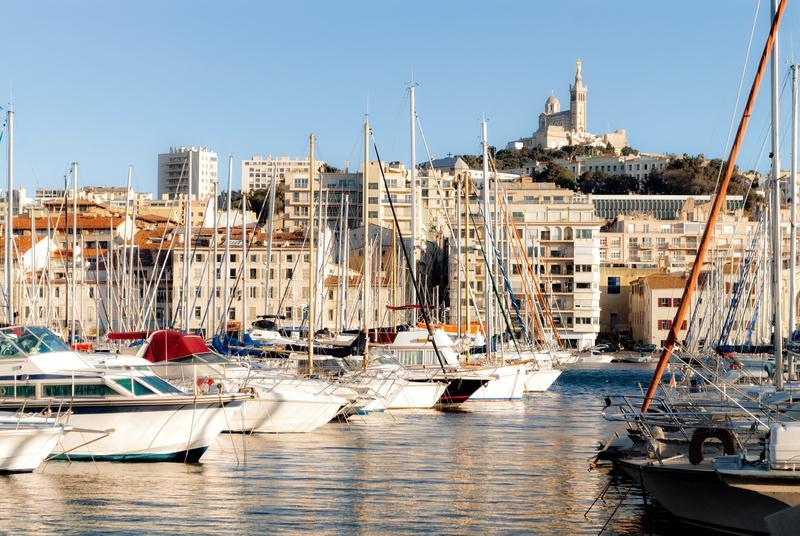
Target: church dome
x: 551, y: 105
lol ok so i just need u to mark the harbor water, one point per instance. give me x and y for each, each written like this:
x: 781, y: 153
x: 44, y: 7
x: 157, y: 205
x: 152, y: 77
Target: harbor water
x: 490, y: 467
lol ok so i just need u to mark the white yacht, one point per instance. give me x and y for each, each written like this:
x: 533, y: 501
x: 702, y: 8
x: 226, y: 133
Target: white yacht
x: 117, y: 414
x: 281, y: 403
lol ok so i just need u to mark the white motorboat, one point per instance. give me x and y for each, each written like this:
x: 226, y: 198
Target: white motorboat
x: 143, y: 417
x: 415, y: 352
x: 280, y: 402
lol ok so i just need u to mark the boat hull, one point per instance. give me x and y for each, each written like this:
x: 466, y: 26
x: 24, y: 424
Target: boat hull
x: 460, y: 389
x: 539, y: 381
x: 697, y: 496
x: 22, y: 450
x: 505, y: 382
x: 281, y: 411
x: 140, y: 430
x: 417, y: 395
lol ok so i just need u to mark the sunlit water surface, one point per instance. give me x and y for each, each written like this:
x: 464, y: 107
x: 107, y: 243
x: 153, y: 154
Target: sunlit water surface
x: 492, y: 467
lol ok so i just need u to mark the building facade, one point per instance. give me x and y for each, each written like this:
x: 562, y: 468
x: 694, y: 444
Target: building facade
x: 174, y: 170
x: 258, y: 172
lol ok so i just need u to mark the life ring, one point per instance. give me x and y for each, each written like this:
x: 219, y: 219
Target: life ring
x: 701, y: 435
x: 204, y: 384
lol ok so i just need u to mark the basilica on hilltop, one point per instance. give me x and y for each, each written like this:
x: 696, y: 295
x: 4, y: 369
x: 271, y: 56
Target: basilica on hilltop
x: 558, y: 128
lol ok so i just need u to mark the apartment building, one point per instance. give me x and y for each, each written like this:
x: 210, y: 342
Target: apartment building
x: 258, y: 172
x: 183, y: 164
x: 559, y: 234
x: 640, y: 244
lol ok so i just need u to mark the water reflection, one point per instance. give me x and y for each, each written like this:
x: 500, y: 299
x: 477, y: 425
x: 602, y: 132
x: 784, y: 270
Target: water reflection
x: 493, y: 467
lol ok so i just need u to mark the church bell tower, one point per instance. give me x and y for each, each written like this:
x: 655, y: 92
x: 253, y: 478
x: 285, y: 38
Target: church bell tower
x: 577, y: 101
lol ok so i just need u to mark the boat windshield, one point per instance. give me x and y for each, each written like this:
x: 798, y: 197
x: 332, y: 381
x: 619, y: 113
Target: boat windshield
x: 25, y: 341
x: 207, y: 358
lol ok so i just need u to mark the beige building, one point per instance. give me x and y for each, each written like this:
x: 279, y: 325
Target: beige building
x: 654, y: 300
x: 258, y: 172
x: 559, y: 235
x: 637, y: 245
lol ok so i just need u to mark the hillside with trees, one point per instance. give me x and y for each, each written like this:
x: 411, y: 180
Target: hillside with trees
x: 684, y: 175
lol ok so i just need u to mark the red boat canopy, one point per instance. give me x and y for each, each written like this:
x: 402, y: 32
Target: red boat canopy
x: 168, y: 345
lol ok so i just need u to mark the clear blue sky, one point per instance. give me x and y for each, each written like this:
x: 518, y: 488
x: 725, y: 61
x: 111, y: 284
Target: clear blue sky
x: 114, y: 83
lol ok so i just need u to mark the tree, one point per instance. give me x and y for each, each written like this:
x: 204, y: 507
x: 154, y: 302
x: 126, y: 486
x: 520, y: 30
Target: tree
x: 326, y: 168
x: 628, y: 151
x: 259, y: 198
x: 557, y: 174
x: 591, y: 182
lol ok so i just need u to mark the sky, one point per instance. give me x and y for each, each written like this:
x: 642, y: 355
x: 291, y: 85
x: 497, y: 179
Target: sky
x: 112, y: 84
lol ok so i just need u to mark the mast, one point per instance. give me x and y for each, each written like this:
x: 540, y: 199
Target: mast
x: 73, y: 297
x: 226, y: 274
x: 345, y: 271
x: 187, y: 227
x: 109, y: 273
x: 777, y: 255
x: 126, y: 291
x: 34, y: 281
x: 215, y: 253
x: 365, y: 297
x: 458, y: 257
x: 244, y: 258
x: 10, y: 221
x: 793, y: 216
x: 312, y: 281
x: 273, y: 184
x: 468, y: 294
x: 716, y: 207
x: 487, y: 233
x: 414, y: 208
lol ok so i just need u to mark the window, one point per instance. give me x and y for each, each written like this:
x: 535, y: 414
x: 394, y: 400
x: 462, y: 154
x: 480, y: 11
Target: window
x: 289, y: 273
x: 288, y: 313
x: 252, y: 291
x: 65, y: 391
x: 676, y: 302
x: 665, y: 324
x: 91, y: 293
x: 253, y: 273
x: 583, y: 285
x: 231, y: 314
x: 138, y: 388
x: 665, y: 302
x: 613, y: 285
x: 22, y: 391
x: 198, y: 312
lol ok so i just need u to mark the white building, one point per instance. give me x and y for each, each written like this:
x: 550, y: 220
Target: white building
x: 174, y: 168
x: 259, y: 171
